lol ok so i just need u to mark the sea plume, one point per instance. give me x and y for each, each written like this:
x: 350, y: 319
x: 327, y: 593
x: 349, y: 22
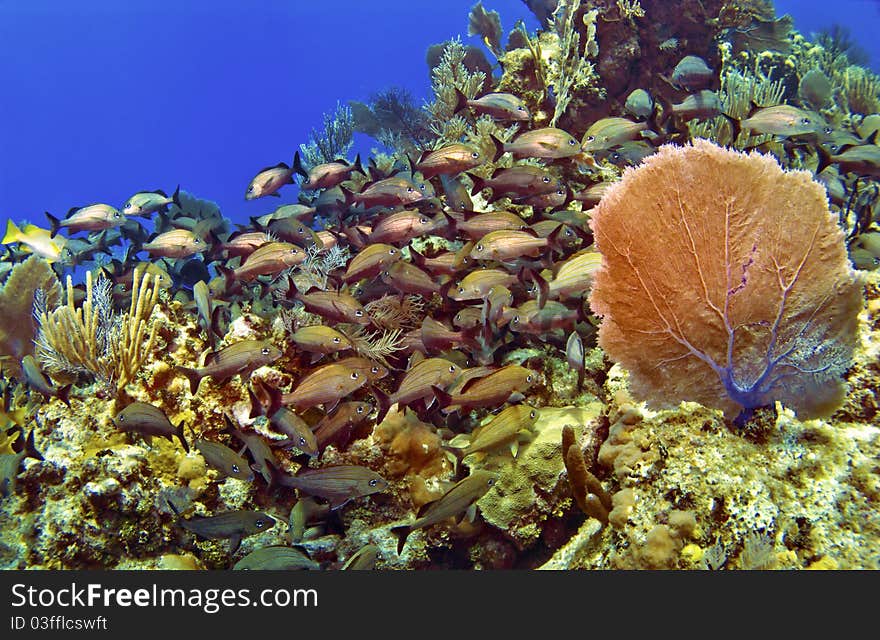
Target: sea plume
x: 725, y: 281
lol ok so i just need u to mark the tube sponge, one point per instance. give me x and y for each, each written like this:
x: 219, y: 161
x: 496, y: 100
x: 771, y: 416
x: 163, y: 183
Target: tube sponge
x: 725, y: 281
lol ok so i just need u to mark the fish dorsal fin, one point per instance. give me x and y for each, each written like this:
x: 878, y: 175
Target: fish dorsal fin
x: 160, y: 192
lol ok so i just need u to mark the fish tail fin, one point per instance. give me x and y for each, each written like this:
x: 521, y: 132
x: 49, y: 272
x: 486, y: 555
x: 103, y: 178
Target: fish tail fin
x: 173, y: 506
x: 64, y: 394
x: 824, y: 158
x: 554, y: 240
x: 348, y: 195
x: 54, y: 224
x: 401, y: 532
x: 181, y: 437
x: 384, y: 402
x: 13, y: 233
x: 358, y: 166
x: 443, y: 398
x: 499, y: 148
x: 479, y: 183
x: 31, y: 449
x: 461, y: 102
x: 175, y: 197
x: 194, y: 377
x: 298, y: 167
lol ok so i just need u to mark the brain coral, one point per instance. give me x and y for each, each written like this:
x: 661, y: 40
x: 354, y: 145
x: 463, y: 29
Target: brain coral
x: 725, y: 281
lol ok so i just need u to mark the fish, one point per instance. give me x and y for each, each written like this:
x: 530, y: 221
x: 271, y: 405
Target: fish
x: 177, y: 243
x: 37, y: 381
x: 630, y: 153
x: 505, y: 428
x: 462, y: 496
x: 401, y: 227
x: 143, y: 203
x: 452, y: 159
x: 609, y: 132
x: 233, y: 525
x: 148, y: 420
x: 456, y: 194
x: 387, y: 192
x: 370, y: 261
x: 702, y: 105
x: 406, y: 278
x: 863, y: 160
x: 501, y: 106
x: 550, y: 200
x: 296, y: 232
x: 477, y: 226
x: 692, y: 73
x: 298, y: 212
x: 298, y: 432
x: 507, y: 245
x: 239, y: 358
x: 10, y: 463
x: 206, y: 311
x: 437, y: 337
x: 519, y: 180
x: 269, y: 259
x: 335, y: 306
x: 220, y: 457
x: 39, y: 241
x: 440, y: 264
x: 781, y: 120
x: 362, y: 559
x: 532, y: 318
x: 268, y: 181
x: 306, y: 511
x: 264, y: 458
x: 639, y: 104
x: 592, y: 194
x: 276, y: 558
x: 337, y: 427
x: 477, y: 284
x: 325, y: 385
x: 337, y: 484
x: 243, y: 243
x: 93, y: 217
x: 548, y: 142
x: 320, y: 340
x: 573, y: 279
x: 575, y: 356
x: 488, y: 391
x: 327, y: 174
x: 372, y: 370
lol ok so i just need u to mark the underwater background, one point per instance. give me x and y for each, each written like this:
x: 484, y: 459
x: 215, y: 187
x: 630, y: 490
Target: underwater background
x: 406, y: 285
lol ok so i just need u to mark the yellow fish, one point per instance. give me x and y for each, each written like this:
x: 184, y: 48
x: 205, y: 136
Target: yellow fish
x: 36, y: 240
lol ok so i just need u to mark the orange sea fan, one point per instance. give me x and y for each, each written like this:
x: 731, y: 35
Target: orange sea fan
x: 725, y: 281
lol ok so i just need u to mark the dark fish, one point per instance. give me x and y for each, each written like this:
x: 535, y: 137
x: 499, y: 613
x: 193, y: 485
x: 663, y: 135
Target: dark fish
x: 337, y: 484
x: 703, y: 105
x: 264, y: 458
x: 337, y: 427
x: 335, y: 306
x: 437, y: 337
x: 276, y: 558
x: 38, y: 382
x: 148, y: 421
x: 239, y: 358
x: 501, y: 106
x: 295, y: 232
x: 306, y: 511
x: 550, y: 200
x: 692, y: 73
x: 10, y: 462
x: 408, y: 278
x: 639, y: 104
x: 326, y: 175
x: 225, y: 460
x: 461, y: 497
x: 268, y: 181
x: 233, y: 525
x: 298, y: 432
x: 534, y: 319
x: 457, y: 197
x: 520, y: 180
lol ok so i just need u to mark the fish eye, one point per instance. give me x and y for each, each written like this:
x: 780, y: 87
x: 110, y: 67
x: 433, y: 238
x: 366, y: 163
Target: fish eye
x: 355, y: 375
x: 409, y: 189
x: 532, y: 413
x: 805, y: 121
x: 490, y: 482
x: 293, y: 252
x: 520, y: 108
x: 374, y: 369
x: 545, y: 179
x: 235, y: 468
x: 117, y: 215
x: 259, y: 524
x: 452, y: 369
x: 360, y: 409
x: 615, y: 157
x: 475, y: 155
x: 590, y: 138
x: 265, y: 351
x: 480, y: 248
x: 373, y: 482
x: 392, y: 251
x: 572, y: 142
x: 358, y: 313
x: 461, y: 289
x: 423, y: 220
x: 515, y: 320
x: 569, y: 233
x: 250, y: 189
x: 529, y: 378
x: 422, y: 187
x: 121, y: 418
x: 827, y: 130
x: 336, y: 340
x: 302, y: 442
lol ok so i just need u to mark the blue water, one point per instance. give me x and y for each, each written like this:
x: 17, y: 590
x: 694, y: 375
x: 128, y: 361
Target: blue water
x: 102, y: 98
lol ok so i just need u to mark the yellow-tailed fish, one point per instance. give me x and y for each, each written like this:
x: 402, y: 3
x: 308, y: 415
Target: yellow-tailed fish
x: 37, y: 240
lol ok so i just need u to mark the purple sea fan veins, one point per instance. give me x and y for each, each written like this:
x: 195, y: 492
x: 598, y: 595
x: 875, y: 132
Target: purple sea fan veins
x: 725, y: 281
